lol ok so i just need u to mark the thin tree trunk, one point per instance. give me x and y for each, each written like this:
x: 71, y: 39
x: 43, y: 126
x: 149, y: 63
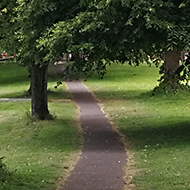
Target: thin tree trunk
x: 39, y: 92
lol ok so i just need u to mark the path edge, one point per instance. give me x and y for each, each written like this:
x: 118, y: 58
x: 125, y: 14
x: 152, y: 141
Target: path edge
x: 60, y: 182
x: 130, y: 169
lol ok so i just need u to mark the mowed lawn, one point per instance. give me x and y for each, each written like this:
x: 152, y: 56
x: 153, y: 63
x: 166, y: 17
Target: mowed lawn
x: 157, y: 128
x: 38, y: 155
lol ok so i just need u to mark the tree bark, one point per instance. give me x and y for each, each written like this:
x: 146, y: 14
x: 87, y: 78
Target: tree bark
x: 39, y: 92
x: 171, y: 62
x: 29, y: 92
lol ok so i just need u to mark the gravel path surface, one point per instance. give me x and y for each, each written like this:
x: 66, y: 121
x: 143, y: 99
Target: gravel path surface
x: 103, y: 158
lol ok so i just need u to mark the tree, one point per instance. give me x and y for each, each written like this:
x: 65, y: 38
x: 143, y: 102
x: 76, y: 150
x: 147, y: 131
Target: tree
x: 124, y: 30
x: 23, y: 23
x: 104, y: 31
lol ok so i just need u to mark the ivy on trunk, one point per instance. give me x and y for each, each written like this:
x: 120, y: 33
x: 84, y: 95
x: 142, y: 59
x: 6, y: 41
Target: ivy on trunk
x: 175, y: 76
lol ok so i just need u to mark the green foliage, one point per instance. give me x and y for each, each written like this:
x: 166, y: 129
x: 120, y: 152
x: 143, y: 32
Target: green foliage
x: 127, y: 31
x: 123, y: 30
x: 169, y: 84
x: 28, y: 21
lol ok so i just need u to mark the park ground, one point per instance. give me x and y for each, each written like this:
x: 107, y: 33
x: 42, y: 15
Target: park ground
x: 155, y: 128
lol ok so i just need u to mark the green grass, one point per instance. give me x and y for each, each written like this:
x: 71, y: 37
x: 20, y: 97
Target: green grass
x: 13, y: 80
x: 158, y: 128
x: 38, y: 155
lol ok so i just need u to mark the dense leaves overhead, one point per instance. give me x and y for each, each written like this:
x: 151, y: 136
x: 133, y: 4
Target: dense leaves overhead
x: 124, y: 30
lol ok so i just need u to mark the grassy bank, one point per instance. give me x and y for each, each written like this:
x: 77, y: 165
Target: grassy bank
x: 37, y: 155
x: 157, y: 127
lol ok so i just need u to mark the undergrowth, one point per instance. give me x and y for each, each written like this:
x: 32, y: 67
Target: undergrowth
x: 174, y: 82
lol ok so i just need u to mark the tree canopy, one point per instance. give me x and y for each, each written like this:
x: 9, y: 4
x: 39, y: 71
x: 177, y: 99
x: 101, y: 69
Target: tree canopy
x: 98, y: 32
x: 122, y: 30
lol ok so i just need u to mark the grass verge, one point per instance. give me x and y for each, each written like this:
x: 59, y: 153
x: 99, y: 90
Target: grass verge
x: 158, y: 128
x: 38, y: 155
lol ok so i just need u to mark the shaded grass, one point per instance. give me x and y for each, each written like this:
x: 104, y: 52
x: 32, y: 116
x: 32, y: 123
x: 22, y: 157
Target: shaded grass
x: 14, y: 82
x: 157, y: 127
x: 9, y: 74
x: 38, y: 153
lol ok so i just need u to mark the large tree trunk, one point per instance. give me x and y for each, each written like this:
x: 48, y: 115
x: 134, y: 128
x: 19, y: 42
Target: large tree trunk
x: 171, y: 62
x: 39, y: 92
x: 170, y: 82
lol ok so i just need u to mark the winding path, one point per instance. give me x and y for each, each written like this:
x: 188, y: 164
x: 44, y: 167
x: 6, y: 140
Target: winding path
x: 103, y: 158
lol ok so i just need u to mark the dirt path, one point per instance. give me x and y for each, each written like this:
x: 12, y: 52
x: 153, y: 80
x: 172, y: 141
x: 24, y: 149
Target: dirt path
x: 103, y: 158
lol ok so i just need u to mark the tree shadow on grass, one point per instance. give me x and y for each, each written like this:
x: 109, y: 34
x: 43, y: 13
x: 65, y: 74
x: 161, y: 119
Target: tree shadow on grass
x: 164, y: 135
x: 14, y: 80
x: 52, y: 94
x: 28, y: 181
x: 13, y: 75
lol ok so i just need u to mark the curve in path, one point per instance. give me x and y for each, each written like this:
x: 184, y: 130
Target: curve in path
x: 103, y: 158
